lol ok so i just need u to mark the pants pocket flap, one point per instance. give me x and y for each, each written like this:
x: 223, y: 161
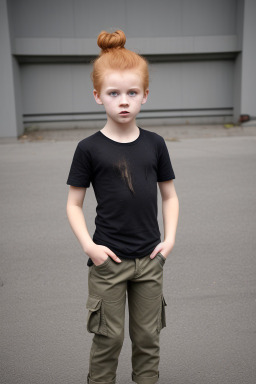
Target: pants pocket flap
x: 96, y: 322
x: 93, y: 303
x: 164, y: 302
x: 161, y: 315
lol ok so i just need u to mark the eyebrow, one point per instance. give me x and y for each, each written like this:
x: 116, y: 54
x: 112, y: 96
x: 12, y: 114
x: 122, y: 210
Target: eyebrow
x: 116, y: 88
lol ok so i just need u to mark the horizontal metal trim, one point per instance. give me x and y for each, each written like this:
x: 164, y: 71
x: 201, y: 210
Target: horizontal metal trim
x: 145, y: 46
x: 143, y: 111
x: 147, y: 114
x: 152, y: 58
x: 63, y: 114
x: 139, y: 118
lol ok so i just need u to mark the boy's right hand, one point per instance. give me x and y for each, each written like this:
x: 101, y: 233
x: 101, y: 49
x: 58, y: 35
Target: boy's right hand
x: 100, y: 253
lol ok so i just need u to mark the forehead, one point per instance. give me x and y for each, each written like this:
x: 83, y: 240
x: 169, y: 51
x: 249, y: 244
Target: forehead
x: 127, y: 78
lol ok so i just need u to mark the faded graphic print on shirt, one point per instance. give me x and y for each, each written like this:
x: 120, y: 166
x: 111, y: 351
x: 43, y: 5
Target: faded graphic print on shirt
x: 123, y: 169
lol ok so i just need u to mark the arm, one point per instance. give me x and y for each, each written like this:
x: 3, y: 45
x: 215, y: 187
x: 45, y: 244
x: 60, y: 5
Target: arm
x: 170, y: 209
x: 98, y: 253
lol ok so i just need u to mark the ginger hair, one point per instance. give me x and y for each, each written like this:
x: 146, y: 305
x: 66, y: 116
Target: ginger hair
x: 114, y: 56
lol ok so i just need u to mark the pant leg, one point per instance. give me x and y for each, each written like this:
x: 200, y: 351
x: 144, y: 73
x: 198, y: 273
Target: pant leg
x: 146, y: 318
x: 106, y: 313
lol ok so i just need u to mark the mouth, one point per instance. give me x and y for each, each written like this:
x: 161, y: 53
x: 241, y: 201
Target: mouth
x: 123, y: 113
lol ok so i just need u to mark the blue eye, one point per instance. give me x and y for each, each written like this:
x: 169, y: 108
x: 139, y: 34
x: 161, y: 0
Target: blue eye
x: 114, y: 94
x: 132, y: 93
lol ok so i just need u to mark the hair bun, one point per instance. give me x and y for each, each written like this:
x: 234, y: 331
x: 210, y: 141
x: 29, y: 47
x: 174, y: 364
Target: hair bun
x: 108, y: 41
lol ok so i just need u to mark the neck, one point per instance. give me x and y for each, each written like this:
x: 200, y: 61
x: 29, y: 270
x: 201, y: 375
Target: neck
x: 122, y: 133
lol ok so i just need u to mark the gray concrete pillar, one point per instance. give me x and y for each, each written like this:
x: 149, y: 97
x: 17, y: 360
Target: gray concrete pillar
x: 10, y: 101
x: 248, y: 86
x: 237, y: 88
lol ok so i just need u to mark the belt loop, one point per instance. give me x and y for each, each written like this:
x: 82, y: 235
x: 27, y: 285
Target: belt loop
x: 136, y: 266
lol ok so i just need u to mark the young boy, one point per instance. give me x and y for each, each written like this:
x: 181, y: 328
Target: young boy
x: 124, y: 163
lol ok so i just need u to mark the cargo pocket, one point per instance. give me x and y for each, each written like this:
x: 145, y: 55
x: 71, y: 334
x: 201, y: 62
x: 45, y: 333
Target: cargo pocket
x: 161, y: 315
x: 96, y: 322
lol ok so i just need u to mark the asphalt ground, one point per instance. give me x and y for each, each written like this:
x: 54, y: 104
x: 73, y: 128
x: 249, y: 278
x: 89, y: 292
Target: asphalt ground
x: 209, y: 278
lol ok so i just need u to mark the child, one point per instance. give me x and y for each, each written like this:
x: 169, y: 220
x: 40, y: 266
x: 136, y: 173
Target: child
x: 124, y: 163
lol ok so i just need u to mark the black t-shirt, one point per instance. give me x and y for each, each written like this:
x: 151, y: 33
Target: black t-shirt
x: 124, y: 177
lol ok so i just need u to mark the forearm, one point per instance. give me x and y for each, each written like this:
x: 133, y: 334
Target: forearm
x: 170, y: 209
x: 79, y: 227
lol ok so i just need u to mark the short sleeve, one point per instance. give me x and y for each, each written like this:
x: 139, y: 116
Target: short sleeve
x: 164, y: 167
x: 80, y: 174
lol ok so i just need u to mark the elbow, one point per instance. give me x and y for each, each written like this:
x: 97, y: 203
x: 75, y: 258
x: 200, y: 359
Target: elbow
x: 177, y: 204
x: 71, y: 208
x: 67, y: 209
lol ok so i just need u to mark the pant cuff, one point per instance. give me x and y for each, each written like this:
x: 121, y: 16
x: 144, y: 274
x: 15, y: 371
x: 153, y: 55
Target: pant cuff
x: 144, y: 379
x: 90, y: 381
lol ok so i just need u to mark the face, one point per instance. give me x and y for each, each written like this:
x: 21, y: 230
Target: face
x: 122, y: 95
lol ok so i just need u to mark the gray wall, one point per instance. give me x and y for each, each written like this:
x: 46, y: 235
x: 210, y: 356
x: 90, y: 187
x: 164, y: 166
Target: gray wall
x: 70, y: 27
x: 177, y: 85
x: 140, y: 19
x: 201, y: 52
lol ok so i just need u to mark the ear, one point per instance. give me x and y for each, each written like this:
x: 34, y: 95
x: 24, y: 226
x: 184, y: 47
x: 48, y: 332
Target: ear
x: 145, y: 97
x: 97, y: 97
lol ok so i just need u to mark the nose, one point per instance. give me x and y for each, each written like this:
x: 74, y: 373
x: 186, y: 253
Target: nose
x: 124, y: 100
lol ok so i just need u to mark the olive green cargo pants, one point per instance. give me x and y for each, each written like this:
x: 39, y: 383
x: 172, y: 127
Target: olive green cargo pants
x: 142, y: 279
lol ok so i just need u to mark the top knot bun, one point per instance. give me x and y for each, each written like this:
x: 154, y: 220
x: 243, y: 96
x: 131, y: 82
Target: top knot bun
x: 108, y: 41
x: 115, y: 57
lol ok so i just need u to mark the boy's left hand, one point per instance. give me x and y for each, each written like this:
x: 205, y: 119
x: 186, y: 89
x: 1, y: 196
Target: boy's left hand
x: 164, y: 248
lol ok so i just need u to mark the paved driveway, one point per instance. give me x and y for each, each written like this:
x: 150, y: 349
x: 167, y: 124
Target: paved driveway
x: 209, y: 280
